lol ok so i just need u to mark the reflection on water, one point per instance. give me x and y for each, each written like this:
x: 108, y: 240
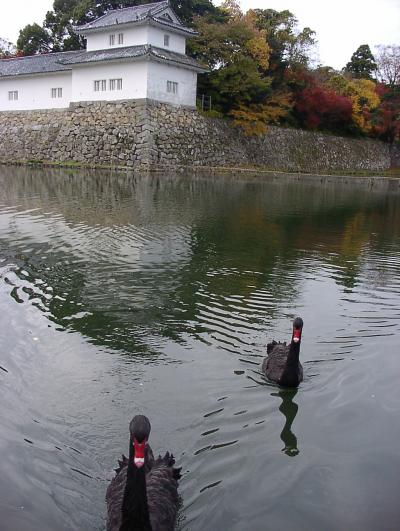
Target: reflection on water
x: 289, y: 409
x: 123, y: 293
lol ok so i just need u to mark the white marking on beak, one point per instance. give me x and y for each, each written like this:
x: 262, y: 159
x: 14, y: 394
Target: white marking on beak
x: 139, y: 462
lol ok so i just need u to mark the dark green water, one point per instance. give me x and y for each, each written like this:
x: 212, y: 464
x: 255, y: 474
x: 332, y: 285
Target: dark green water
x: 121, y: 295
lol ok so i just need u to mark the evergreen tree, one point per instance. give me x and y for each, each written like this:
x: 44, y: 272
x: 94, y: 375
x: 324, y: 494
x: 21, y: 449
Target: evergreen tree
x: 34, y: 39
x: 362, y: 63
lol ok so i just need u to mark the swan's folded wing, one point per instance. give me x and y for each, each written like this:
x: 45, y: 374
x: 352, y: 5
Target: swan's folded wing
x: 275, y: 363
x: 162, y: 493
x: 114, y: 496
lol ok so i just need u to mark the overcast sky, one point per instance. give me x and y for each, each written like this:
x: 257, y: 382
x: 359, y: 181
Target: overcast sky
x: 340, y: 25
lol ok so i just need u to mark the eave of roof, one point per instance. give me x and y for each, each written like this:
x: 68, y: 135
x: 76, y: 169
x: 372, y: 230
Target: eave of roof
x: 134, y: 53
x: 152, y: 21
x: 53, y: 63
x: 35, y: 64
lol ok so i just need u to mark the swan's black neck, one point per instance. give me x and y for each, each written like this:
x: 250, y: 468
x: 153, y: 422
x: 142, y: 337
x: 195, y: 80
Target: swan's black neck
x: 294, y: 354
x: 290, y: 376
x: 135, y: 510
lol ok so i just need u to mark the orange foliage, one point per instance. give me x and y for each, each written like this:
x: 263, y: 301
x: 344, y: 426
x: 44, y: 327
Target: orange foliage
x: 253, y: 118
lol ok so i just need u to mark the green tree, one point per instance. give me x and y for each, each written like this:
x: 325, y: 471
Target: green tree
x: 362, y: 63
x: 33, y: 39
x: 289, y: 46
x: 237, y: 54
x: 7, y: 48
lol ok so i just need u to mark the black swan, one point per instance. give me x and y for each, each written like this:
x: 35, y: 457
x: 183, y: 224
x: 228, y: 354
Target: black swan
x: 282, y: 363
x: 143, y: 495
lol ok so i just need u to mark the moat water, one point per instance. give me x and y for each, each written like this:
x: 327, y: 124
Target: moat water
x: 122, y: 294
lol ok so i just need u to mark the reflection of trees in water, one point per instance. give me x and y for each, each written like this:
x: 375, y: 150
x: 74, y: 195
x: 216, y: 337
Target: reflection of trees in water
x: 289, y: 409
x: 137, y: 254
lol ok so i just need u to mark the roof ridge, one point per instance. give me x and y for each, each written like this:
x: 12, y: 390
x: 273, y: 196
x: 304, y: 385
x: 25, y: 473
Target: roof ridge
x: 166, y: 2
x: 132, y: 7
x: 142, y: 5
x: 157, y: 6
x: 125, y: 9
x: 19, y: 58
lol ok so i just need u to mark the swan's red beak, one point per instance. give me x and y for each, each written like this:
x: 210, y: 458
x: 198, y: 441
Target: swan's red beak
x: 296, y: 335
x: 139, y: 452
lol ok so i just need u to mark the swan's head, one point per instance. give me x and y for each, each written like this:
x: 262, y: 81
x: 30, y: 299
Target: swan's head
x: 297, y: 329
x: 140, y: 430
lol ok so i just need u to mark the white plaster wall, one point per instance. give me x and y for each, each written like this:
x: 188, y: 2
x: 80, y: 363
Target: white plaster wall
x: 133, y: 75
x: 132, y: 37
x: 177, y: 43
x: 35, y: 92
x: 160, y: 73
x: 136, y: 36
x: 140, y: 79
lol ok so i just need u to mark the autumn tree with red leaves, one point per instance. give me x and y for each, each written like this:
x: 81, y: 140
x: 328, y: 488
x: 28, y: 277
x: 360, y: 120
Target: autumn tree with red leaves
x: 386, y: 119
x: 317, y: 107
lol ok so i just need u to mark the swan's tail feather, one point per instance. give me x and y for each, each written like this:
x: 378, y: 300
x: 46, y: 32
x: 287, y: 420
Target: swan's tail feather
x: 168, y: 460
x: 271, y: 346
x: 121, y: 464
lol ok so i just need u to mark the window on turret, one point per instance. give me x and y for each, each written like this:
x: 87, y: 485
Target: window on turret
x: 115, y: 84
x: 112, y: 40
x: 172, y: 87
x: 13, y: 95
x: 120, y: 38
x: 100, y: 85
x: 166, y: 40
x: 56, y: 92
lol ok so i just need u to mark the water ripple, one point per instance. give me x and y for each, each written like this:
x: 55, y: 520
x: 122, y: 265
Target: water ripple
x: 121, y: 294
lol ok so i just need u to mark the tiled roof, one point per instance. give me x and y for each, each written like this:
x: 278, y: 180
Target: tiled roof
x: 174, y: 57
x: 36, y: 64
x: 128, y: 15
x: 125, y: 15
x: 63, y: 61
x: 132, y: 52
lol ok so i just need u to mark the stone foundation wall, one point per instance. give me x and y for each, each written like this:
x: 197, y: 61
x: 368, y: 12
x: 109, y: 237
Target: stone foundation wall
x: 98, y: 133
x: 395, y: 155
x: 144, y: 134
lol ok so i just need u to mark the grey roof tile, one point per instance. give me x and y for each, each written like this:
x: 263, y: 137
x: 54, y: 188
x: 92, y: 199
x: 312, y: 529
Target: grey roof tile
x: 108, y: 54
x: 174, y: 57
x: 132, y: 14
x: 132, y: 52
x: 36, y: 64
